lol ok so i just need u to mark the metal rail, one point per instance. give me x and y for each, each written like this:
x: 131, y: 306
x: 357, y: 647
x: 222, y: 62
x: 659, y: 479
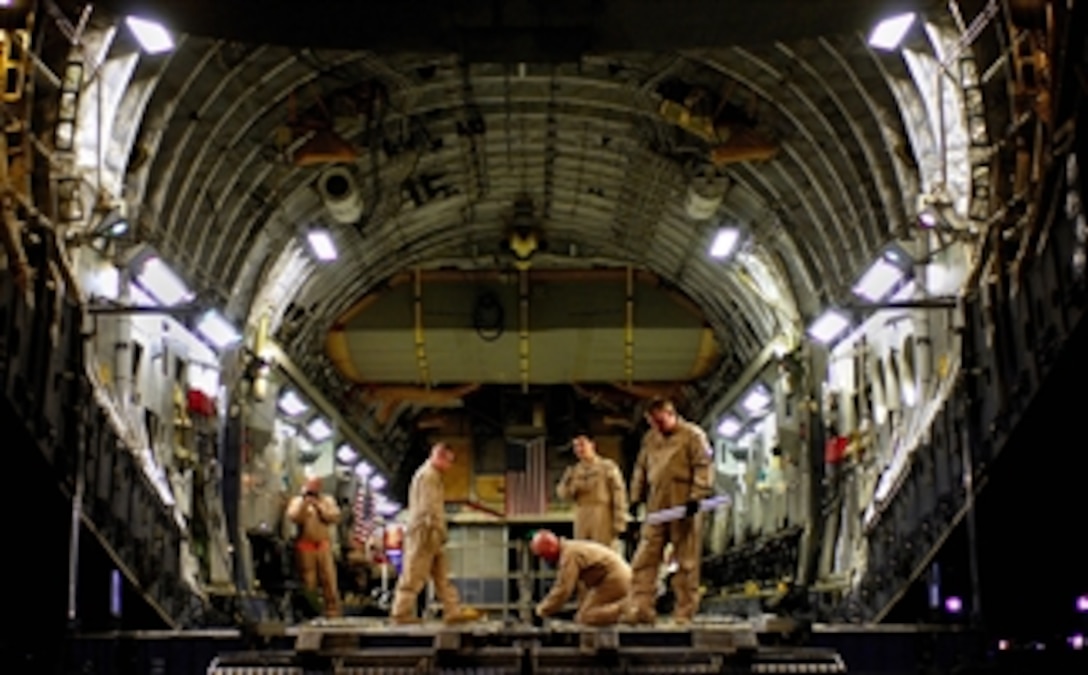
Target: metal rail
x: 433, y: 628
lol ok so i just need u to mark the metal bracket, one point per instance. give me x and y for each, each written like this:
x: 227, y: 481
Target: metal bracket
x: 115, y: 309
x: 309, y: 641
x: 447, y: 641
x: 600, y: 640
x: 949, y: 302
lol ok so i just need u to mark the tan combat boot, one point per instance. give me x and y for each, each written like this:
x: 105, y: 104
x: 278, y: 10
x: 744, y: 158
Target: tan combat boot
x: 463, y: 615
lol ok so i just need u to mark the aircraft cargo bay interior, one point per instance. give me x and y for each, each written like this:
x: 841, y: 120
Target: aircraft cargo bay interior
x: 579, y: 336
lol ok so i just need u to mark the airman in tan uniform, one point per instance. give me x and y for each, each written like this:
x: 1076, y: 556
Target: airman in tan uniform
x: 315, y: 514
x: 599, y: 569
x: 596, y: 486
x: 673, y: 469
x: 424, y: 557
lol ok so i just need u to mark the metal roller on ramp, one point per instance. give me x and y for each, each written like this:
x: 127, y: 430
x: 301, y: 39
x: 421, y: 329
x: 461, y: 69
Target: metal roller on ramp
x: 370, y: 647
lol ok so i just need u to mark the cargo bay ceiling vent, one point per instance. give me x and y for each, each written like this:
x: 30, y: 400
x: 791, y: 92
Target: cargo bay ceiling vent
x: 586, y: 326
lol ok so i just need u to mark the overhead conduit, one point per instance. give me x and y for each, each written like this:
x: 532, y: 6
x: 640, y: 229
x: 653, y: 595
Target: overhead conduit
x: 629, y: 329
x: 421, y: 347
x: 523, y: 328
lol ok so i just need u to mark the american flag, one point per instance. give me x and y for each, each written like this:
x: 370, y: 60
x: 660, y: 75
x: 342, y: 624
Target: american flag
x: 364, y: 513
x: 526, y: 478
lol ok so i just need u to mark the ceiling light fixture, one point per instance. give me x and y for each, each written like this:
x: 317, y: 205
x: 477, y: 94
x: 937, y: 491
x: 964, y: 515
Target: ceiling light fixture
x: 319, y: 430
x: 879, y: 280
x: 725, y: 243
x: 890, y: 32
x: 829, y: 326
x: 163, y: 283
x: 322, y: 246
x: 386, y: 507
x: 363, y: 470
x: 151, y: 35
x: 729, y: 427
x: 217, y: 330
x: 346, y: 454
x: 291, y: 405
x: 757, y: 400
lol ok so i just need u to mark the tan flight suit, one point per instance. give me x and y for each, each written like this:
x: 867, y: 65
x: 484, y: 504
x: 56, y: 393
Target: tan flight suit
x: 604, y: 574
x: 670, y: 470
x: 600, y: 499
x: 424, y: 557
x: 313, y: 549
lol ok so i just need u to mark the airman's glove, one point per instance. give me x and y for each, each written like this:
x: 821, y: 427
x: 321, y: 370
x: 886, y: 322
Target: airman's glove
x: 691, y: 508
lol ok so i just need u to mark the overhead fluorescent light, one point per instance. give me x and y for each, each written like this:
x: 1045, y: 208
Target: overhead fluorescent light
x: 725, y: 242
x: 377, y: 481
x: 321, y: 244
x: 318, y: 429
x: 879, y: 280
x: 890, y: 32
x: 292, y: 405
x: 729, y: 427
x: 162, y: 283
x: 757, y: 400
x: 363, y: 470
x: 153, y: 38
x: 829, y: 326
x: 217, y: 330
x: 386, y: 507
x: 346, y: 454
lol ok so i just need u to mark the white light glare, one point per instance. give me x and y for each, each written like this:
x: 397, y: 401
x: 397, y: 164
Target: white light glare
x: 725, y: 242
x: 106, y: 282
x: 322, y: 246
x: 162, y: 283
x: 292, y: 405
x: 756, y: 400
x: 928, y: 219
x: 217, y: 329
x: 910, y: 393
x: 729, y: 427
x: 890, y: 32
x: 319, y: 429
x: 878, y: 281
x: 118, y: 228
x: 829, y: 326
x: 377, y: 481
x: 346, y: 454
x: 151, y: 35
x: 1077, y: 642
